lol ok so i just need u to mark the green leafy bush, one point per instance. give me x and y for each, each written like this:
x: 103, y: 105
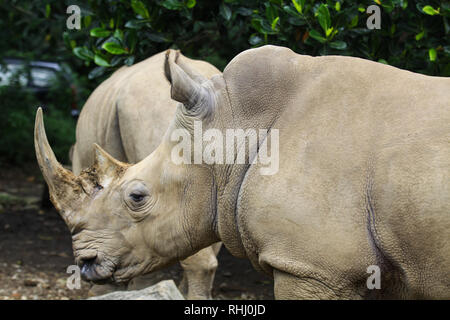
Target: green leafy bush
x: 34, y: 30
x: 16, y: 138
x: 414, y: 35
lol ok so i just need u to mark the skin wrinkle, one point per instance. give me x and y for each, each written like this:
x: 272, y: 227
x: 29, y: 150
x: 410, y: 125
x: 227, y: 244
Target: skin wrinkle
x: 185, y: 119
x: 236, y: 210
x: 185, y: 224
x: 214, y: 204
x: 228, y: 173
x: 120, y: 142
x: 322, y: 283
x: 387, y: 264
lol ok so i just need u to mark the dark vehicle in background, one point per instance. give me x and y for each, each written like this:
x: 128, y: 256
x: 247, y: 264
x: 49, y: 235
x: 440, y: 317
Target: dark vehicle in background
x: 38, y: 77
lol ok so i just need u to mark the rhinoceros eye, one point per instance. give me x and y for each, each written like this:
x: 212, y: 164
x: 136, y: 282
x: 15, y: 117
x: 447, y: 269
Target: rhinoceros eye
x: 136, y: 197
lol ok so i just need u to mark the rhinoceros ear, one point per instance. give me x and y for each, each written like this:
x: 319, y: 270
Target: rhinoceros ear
x: 107, y: 168
x: 184, y: 88
x: 182, y: 62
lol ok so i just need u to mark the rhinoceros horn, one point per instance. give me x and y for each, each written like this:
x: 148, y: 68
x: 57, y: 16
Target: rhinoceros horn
x: 62, y: 183
x: 106, y: 167
x: 67, y: 190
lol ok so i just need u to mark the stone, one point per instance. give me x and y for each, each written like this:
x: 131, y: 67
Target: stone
x: 164, y: 290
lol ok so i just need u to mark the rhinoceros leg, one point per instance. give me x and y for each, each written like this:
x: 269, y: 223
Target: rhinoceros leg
x: 199, y: 271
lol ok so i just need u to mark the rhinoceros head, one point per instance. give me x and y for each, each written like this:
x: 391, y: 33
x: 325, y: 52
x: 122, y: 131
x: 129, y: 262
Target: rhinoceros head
x: 128, y: 220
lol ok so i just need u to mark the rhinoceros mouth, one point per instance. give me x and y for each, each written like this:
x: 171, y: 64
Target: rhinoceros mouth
x: 96, y: 272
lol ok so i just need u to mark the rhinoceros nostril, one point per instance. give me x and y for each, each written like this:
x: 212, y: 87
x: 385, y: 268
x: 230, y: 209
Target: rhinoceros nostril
x: 87, y: 255
x: 88, y: 268
x: 86, y: 260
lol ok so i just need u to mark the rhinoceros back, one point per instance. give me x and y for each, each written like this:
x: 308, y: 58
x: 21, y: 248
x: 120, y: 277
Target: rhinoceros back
x: 129, y: 112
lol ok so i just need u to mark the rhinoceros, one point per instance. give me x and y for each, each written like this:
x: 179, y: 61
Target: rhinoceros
x: 361, y: 194
x: 127, y: 115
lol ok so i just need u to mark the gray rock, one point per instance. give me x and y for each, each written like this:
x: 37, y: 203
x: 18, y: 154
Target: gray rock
x: 164, y: 290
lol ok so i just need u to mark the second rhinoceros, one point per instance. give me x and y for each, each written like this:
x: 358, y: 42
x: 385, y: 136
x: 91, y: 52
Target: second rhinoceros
x: 362, y: 182
x: 127, y: 115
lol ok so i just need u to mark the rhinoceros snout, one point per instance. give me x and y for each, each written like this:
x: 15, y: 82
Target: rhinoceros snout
x: 91, y: 270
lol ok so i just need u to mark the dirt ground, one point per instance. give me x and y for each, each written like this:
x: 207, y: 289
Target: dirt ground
x: 35, y: 250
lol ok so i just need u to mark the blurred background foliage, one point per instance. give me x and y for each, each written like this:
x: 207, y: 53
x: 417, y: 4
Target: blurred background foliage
x: 414, y: 35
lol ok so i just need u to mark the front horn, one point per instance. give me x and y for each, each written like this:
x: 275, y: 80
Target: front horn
x: 62, y: 183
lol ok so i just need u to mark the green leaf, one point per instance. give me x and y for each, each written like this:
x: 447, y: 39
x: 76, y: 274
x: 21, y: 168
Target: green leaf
x: 87, y: 21
x: 297, y: 6
x: 323, y: 15
x: 404, y: 4
x: 140, y: 8
x: 191, y: 3
x: 116, y: 60
x: 48, y: 10
x: 271, y: 12
x: 66, y: 38
x: 274, y: 23
x: 129, y: 61
x: 430, y: 10
x: 339, y: 45
x: 262, y: 26
x: 113, y: 48
x: 420, y: 35
x: 329, y: 31
x: 256, y: 24
x: 157, y: 38
x: 132, y: 40
x: 337, y: 6
x: 382, y: 61
x: 244, y: 11
x: 225, y: 11
x: 135, y: 24
x: 316, y: 35
x: 101, y: 61
x: 291, y: 11
x: 100, y: 32
x: 393, y: 28
x: 83, y: 53
x: 172, y: 4
x: 96, y: 72
x: 388, y: 5
x: 354, y: 22
x: 118, y: 34
x: 432, y: 54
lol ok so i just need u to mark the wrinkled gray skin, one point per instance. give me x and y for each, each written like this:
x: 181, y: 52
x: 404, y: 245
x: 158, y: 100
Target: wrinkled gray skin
x: 127, y: 116
x: 363, y: 180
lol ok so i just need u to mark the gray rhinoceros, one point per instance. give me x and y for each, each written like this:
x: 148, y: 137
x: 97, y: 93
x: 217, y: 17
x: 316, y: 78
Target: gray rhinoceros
x: 362, y: 181
x: 127, y: 115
